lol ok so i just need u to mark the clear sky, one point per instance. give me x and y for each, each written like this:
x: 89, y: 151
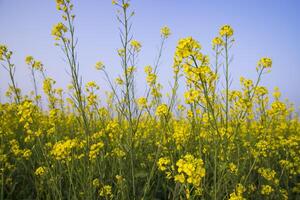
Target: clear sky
x: 262, y: 28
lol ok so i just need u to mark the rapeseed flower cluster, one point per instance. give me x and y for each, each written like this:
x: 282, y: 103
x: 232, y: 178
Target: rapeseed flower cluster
x: 165, y: 32
x: 162, y: 110
x: 136, y: 45
x: 190, y: 170
x: 58, y: 30
x: 40, y: 171
x: 226, y: 31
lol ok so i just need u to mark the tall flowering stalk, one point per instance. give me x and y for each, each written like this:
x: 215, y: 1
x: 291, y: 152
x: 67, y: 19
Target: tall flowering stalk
x: 128, y: 52
x: 5, y: 56
x: 35, y: 65
x: 65, y: 33
x: 226, y: 32
x: 154, y: 88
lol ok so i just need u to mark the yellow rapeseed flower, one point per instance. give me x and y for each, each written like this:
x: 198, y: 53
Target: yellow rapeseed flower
x: 96, y: 183
x: 190, y: 169
x: 3, y: 51
x: 226, y: 31
x: 264, y: 63
x: 99, y: 65
x: 232, y: 167
x: 266, y: 189
x: 136, y: 45
x: 106, y: 191
x: 142, y: 102
x: 163, y: 163
x: 165, y: 32
x: 28, y: 60
x: 217, y: 41
x: 162, y: 110
x: 40, y: 171
x: 58, y: 30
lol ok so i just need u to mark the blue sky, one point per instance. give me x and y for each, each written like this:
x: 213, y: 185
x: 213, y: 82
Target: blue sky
x: 262, y: 28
